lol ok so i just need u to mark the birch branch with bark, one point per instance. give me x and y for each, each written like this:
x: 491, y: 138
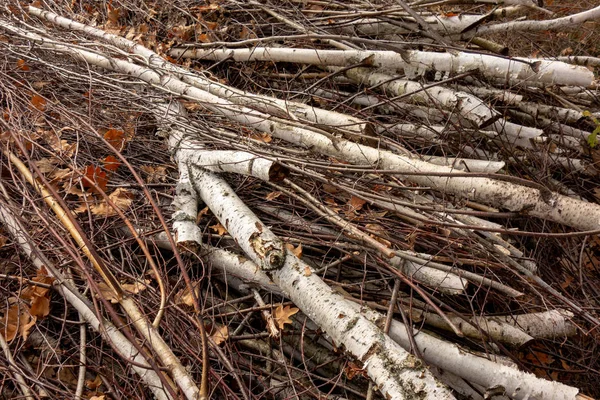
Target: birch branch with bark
x: 583, y: 216
x: 386, y: 363
x: 413, y: 62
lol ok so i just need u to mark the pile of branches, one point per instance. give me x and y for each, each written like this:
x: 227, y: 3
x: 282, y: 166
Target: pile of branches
x: 299, y: 199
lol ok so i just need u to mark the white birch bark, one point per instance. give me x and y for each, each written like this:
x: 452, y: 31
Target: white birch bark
x: 263, y: 247
x: 583, y: 216
x: 387, y: 364
x: 553, y: 324
x: 479, y: 328
x: 470, y: 107
x: 396, y: 373
x: 445, y: 282
x: 257, y: 241
x: 495, y: 94
x: 580, y: 60
x: 108, y: 331
x: 518, y: 385
x: 185, y: 211
x: 413, y: 62
x: 467, y: 164
x: 354, y: 127
x: 564, y: 115
x: 376, y: 27
x: 435, y: 351
x: 531, y: 26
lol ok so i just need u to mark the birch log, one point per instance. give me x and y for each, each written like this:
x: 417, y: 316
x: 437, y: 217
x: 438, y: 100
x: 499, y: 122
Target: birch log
x: 531, y: 26
x: 413, y: 62
x: 470, y: 107
x: 390, y: 367
x: 558, y: 208
x: 355, y: 127
x: 519, y: 385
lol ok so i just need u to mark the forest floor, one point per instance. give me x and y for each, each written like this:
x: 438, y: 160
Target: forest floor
x: 89, y: 131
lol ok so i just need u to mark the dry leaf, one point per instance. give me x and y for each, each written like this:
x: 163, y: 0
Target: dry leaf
x: 136, y: 287
x: 297, y: 251
x: 22, y: 65
x: 94, y: 177
x: 40, y: 306
x: 272, y: 196
x: 46, y: 165
x: 220, y: 335
x: 352, y: 370
x: 116, y: 138
x: 122, y: 198
x: 155, y: 174
x: 219, y: 229
x: 61, y: 175
x: 184, y: 296
x: 3, y: 240
x: 355, y: 203
x: 330, y: 188
x: 16, y: 322
x: 379, y: 233
x: 101, y: 397
x: 113, y: 14
x: 282, y: 315
x: 192, y: 106
x: 38, y: 102
x: 111, y: 163
x: 95, y: 384
x: 77, y: 192
x: 262, y: 137
x: 307, y: 271
x: 107, y: 293
x: 202, y: 213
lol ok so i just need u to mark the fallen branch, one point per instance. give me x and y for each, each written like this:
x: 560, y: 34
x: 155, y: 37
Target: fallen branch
x: 110, y: 333
x: 386, y: 363
x: 412, y: 61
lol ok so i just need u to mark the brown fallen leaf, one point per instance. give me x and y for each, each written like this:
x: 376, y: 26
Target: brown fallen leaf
x: 40, y: 306
x: 184, y: 296
x: 220, y: 334
x: 16, y: 322
x: 282, y: 315
x: 297, y: 251
x: 155, y: 174
x: 122, y: 198
x: 95, y: 384
x: 219, y: 229
x: 262, y: 137
x: 355, y: 203
x: 272, y: 196
x: 107, y: 293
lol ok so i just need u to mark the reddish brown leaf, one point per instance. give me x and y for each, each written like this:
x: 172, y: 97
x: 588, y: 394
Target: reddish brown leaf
x: 115, y: 137
x: 94, y: 175
x: 38, y: 102
x: 40, y: 306
x: 111, y: 163
x: 356, y: 203
x: 113, y: 14
x: 22, y: 65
